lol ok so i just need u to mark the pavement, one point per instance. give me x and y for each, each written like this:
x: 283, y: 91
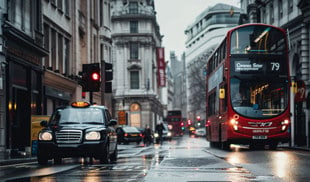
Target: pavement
x: 7, y: 159
x: 21, y: 157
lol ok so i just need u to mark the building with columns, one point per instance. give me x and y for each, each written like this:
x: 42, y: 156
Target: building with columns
x: 135, y: 38
x: 294, y: 17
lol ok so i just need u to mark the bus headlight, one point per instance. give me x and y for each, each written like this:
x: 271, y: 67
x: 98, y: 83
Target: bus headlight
x: 234, y: 124
x: 93, y: 135
x: 285, y: 124
x: 45, y: 136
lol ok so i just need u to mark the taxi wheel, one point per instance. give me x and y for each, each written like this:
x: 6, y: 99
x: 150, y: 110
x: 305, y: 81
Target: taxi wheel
x: 42, y: 159
x: 57, y: 160
x: 105, y: 155
x: 113, y: 157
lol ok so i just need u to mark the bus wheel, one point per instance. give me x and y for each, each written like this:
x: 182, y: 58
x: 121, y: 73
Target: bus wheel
x: 273, y: 145
x: 257, y: 146
x: 214, y: 144
x: 225, y: 145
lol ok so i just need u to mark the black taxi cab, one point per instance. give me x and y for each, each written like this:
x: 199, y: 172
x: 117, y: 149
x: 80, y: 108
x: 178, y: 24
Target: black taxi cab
x: 78, y: 130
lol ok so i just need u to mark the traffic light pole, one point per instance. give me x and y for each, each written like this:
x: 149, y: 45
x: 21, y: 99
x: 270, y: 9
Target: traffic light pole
x: 91, y: 97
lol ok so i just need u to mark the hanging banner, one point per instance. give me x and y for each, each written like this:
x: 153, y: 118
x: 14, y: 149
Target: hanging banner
x: 161, y: 67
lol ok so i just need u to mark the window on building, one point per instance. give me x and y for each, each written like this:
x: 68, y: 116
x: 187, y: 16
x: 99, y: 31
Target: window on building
x: 66, y: 55
x: 264, y: 15
x: 133, y: 26
x: 133, y: 8
x: 53, y: 49
x: 60, y: 54
x: 60, y: 5
x: 67, y: 7
x: 46, y: 43
x: 20, y: 15
x: 53, y: 2
x: 101, y: 13
x: 290, y: 6
x: 134, y: 50
x: 280, y: 9
x: 134, y: 79
x: 271, y: 11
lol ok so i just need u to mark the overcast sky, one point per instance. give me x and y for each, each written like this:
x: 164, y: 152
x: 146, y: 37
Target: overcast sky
x: 173, y: 16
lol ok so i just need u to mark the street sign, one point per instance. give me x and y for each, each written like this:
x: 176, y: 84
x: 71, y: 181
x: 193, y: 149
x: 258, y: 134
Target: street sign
x: 122, y: 117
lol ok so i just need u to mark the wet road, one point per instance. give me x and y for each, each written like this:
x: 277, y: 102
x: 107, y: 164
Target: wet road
x: 186, y: 159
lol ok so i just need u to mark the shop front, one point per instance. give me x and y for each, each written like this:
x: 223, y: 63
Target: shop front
x: 23, y: 93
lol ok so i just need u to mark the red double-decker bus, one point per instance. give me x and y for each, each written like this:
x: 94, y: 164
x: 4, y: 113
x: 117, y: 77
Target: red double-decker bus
x: 175, y: 122
x: 248, y: 88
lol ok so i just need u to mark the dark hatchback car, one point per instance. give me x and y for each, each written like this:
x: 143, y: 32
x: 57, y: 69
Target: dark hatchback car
x: 78, y: 130
x: 126, y: 134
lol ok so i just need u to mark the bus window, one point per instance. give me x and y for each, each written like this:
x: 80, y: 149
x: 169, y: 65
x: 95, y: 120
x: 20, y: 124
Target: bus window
x: 257, y: 39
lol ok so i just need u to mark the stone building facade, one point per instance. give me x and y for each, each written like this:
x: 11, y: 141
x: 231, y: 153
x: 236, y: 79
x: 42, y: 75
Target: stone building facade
x: 43, y: 45
x: 203, y: 35
x: 136, y: 37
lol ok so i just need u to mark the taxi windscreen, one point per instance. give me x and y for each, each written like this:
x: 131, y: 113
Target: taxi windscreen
x: 78, y: 116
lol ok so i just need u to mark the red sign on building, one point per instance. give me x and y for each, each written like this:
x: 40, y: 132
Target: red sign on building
x: 161, y: 67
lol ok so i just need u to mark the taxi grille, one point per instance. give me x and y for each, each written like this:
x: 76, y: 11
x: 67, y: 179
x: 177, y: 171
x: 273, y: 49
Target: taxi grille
x: 69, y: 136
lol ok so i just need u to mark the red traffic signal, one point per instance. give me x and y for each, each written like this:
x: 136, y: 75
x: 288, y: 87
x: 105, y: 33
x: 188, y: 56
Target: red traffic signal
x: 95, y: 76
x: 91, y: 77
x: 189, y: 122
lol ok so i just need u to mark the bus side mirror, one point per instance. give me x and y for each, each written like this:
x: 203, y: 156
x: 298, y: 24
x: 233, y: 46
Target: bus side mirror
x: 222, y: 93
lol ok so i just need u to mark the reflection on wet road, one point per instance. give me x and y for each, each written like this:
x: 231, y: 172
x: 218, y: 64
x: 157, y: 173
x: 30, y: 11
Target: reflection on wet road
x: 183, y: 159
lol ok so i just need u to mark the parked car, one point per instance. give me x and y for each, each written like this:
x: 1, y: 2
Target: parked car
x: 200, y: 132
x: 78, y: 130
x: 127, y: 134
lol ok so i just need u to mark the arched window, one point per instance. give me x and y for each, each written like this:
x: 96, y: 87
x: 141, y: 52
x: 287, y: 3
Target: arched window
x: 135, y: 115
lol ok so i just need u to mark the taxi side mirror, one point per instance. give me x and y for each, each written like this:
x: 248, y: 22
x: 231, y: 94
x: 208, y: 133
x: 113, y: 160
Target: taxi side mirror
x: 113, y: 122
x: 43, y: 123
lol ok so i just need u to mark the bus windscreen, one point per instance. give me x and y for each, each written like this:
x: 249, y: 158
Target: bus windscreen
x: 257, y: 39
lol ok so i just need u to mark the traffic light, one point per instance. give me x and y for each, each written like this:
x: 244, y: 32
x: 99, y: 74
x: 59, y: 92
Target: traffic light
x: 198, y: 121
x: 91, y: 77
x: 189, y: 122
x: 108, y: 72
x: 182, y: 126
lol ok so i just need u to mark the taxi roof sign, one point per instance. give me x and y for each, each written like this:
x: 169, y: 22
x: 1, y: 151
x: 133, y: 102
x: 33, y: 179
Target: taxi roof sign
x: 80, y: 104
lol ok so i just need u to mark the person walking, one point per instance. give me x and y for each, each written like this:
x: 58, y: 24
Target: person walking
x: 147, y: 136
x: 159, y: 129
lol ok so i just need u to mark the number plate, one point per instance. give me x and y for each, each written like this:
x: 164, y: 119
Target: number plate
x: 134, y: 135
x: 259, y: 137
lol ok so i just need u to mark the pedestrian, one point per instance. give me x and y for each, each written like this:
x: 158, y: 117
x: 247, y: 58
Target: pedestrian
x: 159, y: 129
x: 147, y: 136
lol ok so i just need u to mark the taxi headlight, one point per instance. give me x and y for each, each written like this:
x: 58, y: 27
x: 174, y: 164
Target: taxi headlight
x: 93, y: 135
x: 45, y: 136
